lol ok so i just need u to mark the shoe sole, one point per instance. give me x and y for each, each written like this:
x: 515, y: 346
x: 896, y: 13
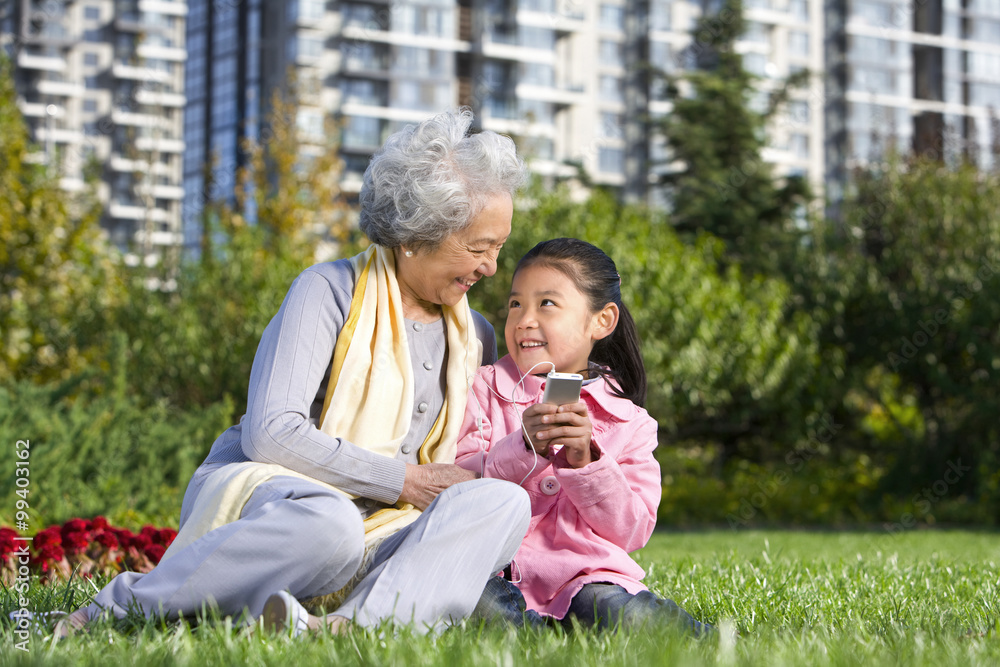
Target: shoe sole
x: 274, y: 617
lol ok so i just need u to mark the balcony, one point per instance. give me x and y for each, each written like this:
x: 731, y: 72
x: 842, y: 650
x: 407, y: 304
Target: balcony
x: 133, y: 73
x: 51, y: 33
x: 172, y: 192
x: 366, y: 66
x: 166, y: 7
x: 60, y: 88
x: 46, y: 63
x: 32, y: 109
x: 130, y: 211
x: 560, y: 96
x: 140, y: 23
x: 159, y: 145
x: 58, y: 135
x: 153, y: 98
x: 155, y: 52
x: 563, y: 23
x: 134, y: 119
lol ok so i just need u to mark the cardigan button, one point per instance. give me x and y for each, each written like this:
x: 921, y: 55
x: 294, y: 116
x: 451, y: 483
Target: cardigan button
x: 550, y: 485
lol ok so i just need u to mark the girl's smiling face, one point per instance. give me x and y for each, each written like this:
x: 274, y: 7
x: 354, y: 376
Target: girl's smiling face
x: 549, y: 320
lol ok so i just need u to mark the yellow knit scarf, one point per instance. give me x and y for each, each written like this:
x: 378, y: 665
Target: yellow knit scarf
x: 369, y: 400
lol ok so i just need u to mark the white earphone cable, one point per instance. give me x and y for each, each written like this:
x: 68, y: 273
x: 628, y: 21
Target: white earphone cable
x: 511, y: 400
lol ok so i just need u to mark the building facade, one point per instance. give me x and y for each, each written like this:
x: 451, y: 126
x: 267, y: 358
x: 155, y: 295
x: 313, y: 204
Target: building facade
x: 905, y: 76
x: 567, y: 78
x: 161, y: 93
x: 101, y: 88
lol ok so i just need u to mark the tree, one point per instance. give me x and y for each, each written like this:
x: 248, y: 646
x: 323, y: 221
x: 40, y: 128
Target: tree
x: 922, y: 325
x: 291, y: 182
x: 58, y: 278
x: 723, y: 186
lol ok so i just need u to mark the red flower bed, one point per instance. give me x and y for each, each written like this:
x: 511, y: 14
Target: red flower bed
x: 84, y: 546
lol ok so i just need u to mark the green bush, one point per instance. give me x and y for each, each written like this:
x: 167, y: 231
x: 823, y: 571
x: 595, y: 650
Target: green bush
x: 194, y: 346
x: 920, y: 325
x: 105, y: 454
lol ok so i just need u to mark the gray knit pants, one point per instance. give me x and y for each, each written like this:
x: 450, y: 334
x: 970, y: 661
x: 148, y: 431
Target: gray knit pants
x: 297, y: 536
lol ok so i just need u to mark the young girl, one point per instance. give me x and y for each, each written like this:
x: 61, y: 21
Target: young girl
x: 588, y: 467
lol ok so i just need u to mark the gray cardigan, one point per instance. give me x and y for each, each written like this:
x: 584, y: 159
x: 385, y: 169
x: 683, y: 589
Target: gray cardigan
x: 288, y: 383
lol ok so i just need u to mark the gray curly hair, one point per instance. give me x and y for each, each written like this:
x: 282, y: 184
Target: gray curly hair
x: 429, y: 180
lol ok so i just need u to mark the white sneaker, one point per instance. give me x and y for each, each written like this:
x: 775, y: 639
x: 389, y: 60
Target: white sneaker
x: 283, y: 612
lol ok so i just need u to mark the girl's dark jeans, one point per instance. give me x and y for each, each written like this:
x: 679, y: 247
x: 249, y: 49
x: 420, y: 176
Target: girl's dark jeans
x: 601, y: 605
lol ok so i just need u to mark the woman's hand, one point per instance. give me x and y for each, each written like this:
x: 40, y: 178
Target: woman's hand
x: 424, y: 482
x: 567, y: 425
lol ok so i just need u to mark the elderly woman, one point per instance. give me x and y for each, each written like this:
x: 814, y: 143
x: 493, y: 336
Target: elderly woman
x: 340, y: 478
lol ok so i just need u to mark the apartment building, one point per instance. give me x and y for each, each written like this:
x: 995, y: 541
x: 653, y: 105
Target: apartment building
x: 104, y: 80
x: 921, y: 76
x: 100, y: 82
x: 567, y: 78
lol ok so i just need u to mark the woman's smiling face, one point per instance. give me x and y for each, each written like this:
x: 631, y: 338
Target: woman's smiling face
x: 442, y: 275
x: 548, y: 320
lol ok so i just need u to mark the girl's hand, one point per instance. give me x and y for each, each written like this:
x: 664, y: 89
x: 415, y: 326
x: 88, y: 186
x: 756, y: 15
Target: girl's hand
x: 533, y: 420
x: 567, y: 425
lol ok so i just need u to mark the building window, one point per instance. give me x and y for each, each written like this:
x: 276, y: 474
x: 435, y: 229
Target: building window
x: 90, y: 106
x: 92, y: 35
x: 310, y: 122
x: 659, y: 14
x: 546, y: 6
x: 417, y: 20
x: 798, y: 111
x: 661, y: 54
x: 537, y: 38
x: 798, y: 43
x: 755, y: 63
x: 758, y: 33
x: 537, y: 74
x: 799, y: 9
x: 798, y: 146
x: 364, y: 16
x: 984, y: 7
x: 871, y: 49
x: 612, y: 126
x: 306, y: 10
x: 874, y: 13
x: 612, y: 89
x: 536, y: 111
x: 92, y: 13
x: 871, y: 79
x: 612, y: 53
x: 90, y: 59
x: 362, y: 132
x: 611, y: 160
x: 612, y: 17
x: 305, y: 46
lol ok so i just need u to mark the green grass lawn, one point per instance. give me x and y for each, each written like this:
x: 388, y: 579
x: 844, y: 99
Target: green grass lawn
x: 795, y: 598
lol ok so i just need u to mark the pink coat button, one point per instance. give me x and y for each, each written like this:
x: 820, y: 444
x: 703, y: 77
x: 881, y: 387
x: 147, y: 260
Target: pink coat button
x: 549, y: 485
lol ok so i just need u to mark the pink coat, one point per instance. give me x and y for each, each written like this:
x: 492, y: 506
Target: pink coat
x: 584, y: 522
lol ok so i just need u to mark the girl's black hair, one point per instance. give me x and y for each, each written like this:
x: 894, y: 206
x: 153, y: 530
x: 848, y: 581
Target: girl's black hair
x: 596, y: 276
